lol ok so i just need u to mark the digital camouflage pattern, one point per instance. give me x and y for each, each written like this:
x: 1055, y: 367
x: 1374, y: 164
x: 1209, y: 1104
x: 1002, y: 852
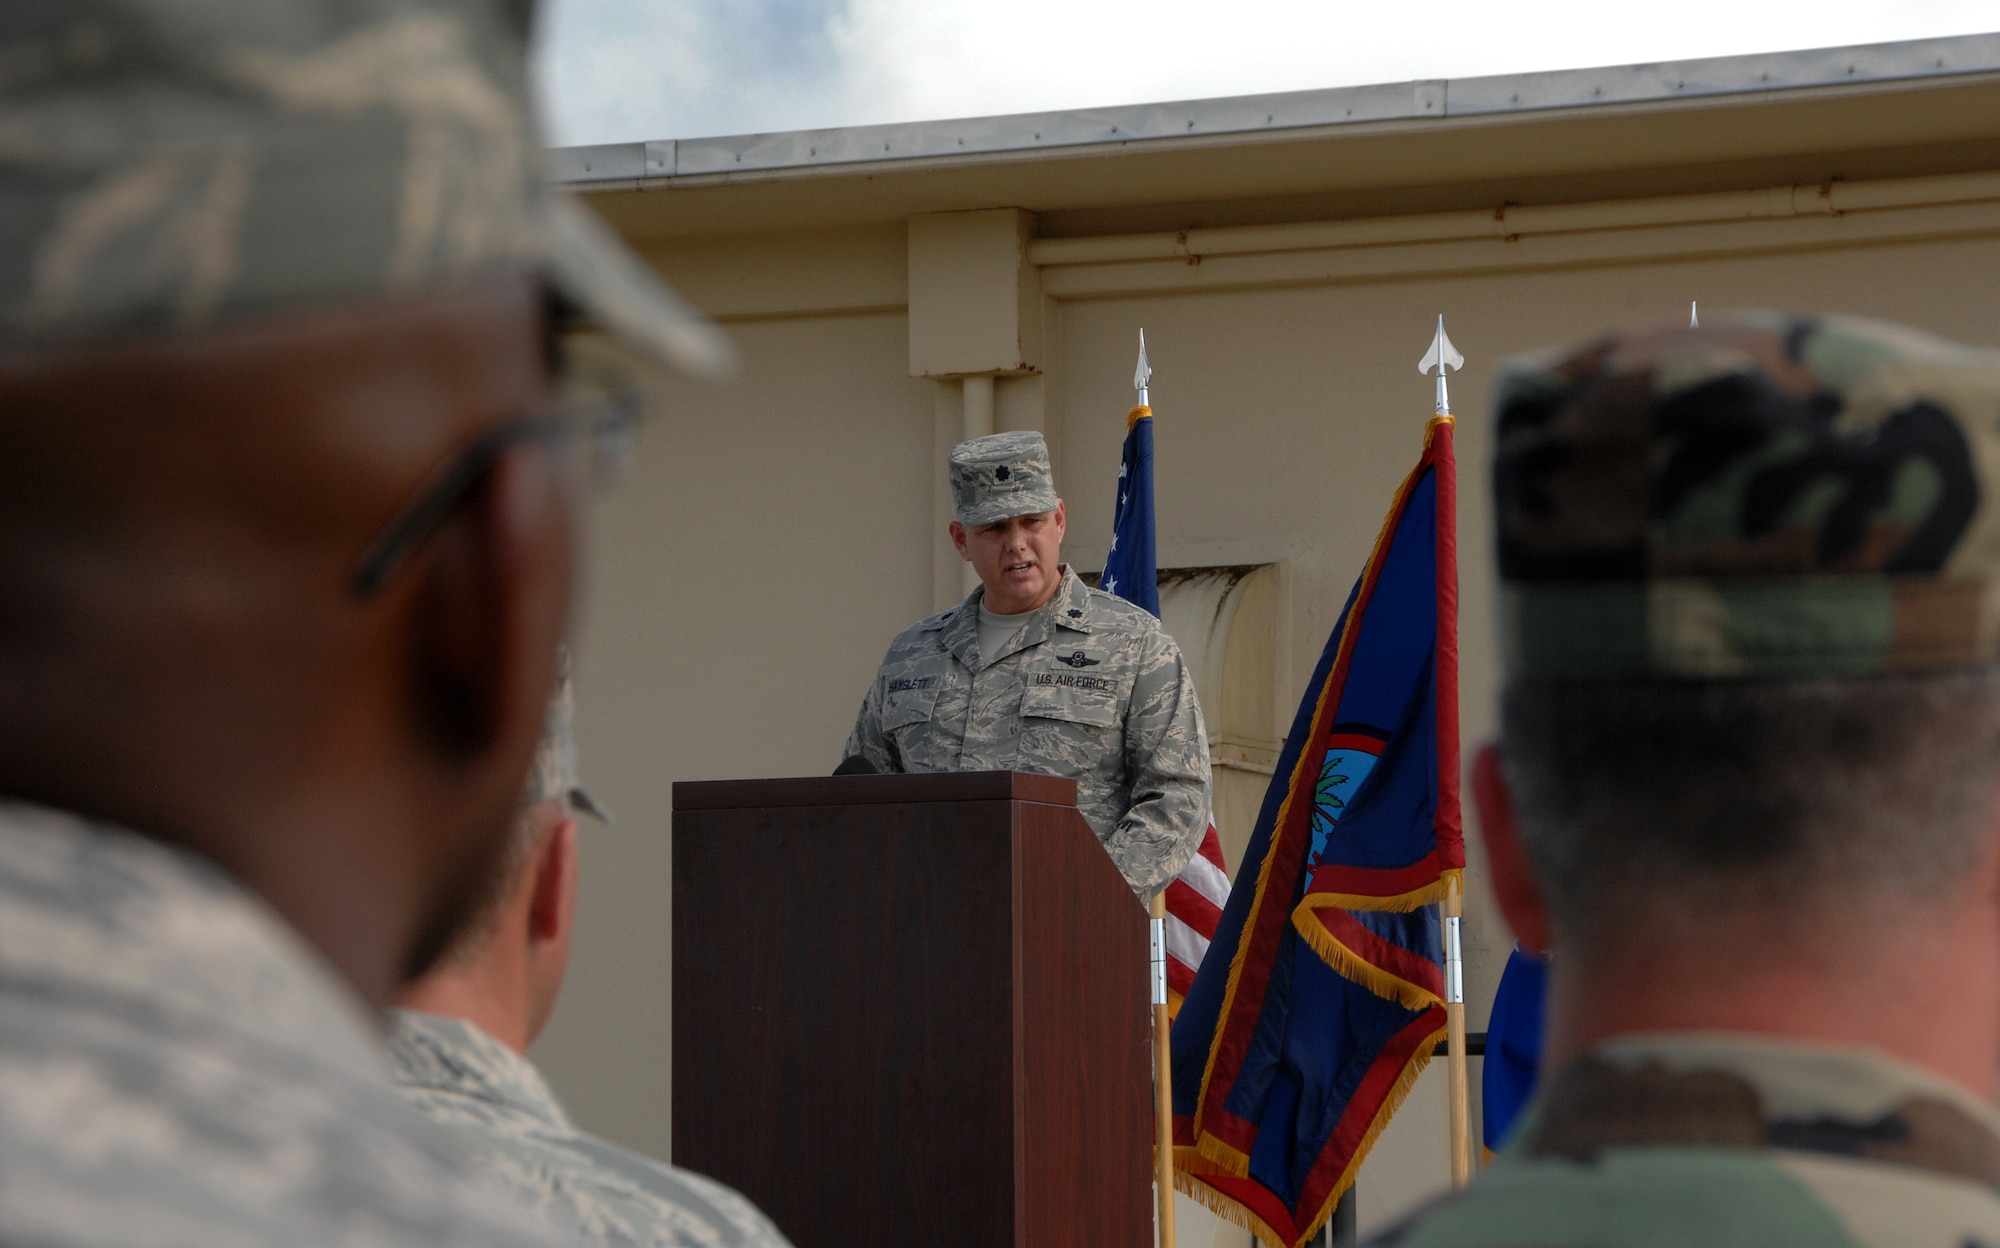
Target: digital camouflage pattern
x: 1000, y: 475
x: 1762, y: 496
x: 593, y: 1192
x: 1708, y: 1140
x: 1090, y: 688
x: 177, y: 1068
x: 165, y: 164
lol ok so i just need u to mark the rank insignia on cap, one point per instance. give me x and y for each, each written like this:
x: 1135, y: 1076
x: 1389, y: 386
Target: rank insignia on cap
x: 1000, y: 476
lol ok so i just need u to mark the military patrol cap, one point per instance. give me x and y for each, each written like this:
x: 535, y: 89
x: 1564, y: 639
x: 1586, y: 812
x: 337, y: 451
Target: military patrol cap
x: 173, y: 165
x: 554, y: 774
x: 1001, y: 475
x: 1764, y: 496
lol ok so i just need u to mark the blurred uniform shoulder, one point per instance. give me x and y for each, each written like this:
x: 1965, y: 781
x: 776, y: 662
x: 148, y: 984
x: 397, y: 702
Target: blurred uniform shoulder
x: 177, y: 1067
x: 1732, y: 1142
x: 591, y: 1191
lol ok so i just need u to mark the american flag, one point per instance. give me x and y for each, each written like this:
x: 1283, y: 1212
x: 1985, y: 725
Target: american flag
x: 1194, y: 908
x: 1195, y: 898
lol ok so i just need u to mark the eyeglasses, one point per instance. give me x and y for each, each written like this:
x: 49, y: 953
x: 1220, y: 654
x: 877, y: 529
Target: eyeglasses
x: 605, y: 429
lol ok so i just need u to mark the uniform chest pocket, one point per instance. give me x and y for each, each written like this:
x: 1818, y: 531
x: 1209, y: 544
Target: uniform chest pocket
x: 1072, y: 699
x: 909, y: 699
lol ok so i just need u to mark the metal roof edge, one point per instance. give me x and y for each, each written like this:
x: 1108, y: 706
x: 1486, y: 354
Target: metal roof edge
x: 665, y: 160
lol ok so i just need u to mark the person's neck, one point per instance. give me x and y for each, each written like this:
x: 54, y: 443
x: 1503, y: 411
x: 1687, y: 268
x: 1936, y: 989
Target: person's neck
x: 1928, y: 995
x: 483, y: 993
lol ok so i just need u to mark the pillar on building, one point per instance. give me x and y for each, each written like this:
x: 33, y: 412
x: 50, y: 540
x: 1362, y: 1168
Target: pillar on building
x: 975, y: 317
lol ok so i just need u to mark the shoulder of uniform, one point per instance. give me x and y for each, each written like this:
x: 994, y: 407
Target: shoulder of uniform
x: 933, y: 623
x: 924, y: 633
x: 1109, y: 610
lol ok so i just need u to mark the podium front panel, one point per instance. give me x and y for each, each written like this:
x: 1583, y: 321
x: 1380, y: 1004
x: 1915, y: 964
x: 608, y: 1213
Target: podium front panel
x: 911, y: 1010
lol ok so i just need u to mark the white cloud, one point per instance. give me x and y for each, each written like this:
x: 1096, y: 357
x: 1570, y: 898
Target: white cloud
x: 812, y: 63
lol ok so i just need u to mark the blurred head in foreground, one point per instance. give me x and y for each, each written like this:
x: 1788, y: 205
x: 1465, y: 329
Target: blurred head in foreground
x: 1750, y: 742
x: 289, y: 481
x: 1745, y: 789
x: 287, y: 475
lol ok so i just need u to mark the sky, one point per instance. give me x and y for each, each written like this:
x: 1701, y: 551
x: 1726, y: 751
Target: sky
x: 624, y: 70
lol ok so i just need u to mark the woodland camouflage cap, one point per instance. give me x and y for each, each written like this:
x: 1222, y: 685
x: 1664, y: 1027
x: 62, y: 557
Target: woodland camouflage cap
x: 174, y: 163
x: 1765, y: 495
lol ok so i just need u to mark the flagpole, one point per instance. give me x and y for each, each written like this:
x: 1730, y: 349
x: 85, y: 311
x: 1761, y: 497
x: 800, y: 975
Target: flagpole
x: 1444, y: 357
x: 1163, y: 1091
x: 1454, y: 1021
x: 1163, y: 1065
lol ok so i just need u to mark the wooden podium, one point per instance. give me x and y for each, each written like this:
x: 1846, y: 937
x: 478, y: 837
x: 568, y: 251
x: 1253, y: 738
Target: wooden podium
x: 912, y: 1010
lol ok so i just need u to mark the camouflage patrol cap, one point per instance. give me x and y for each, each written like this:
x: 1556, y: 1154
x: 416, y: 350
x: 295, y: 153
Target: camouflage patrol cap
x: 554, y: 774
x: 1001, y: 475
x: 166, y: 164
x: 1765, y: 495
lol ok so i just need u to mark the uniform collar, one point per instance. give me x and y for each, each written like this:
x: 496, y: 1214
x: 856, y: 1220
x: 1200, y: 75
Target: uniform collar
x: 439, y: 1054
x: 1068, y: 608
x: 1734, y: 1090
x: 116, y: 924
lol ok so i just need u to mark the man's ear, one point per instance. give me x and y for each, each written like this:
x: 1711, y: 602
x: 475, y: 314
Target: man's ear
x: 552, y: 901
x: 958, y: 541
x: 1506, y: 858
x: 490, y: 610
x: 1061, y: 521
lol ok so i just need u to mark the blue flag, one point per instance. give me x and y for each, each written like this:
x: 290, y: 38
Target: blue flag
x: 1513, y: 1045
x: 1130, y: 570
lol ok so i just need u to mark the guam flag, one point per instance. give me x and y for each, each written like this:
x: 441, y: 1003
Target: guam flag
x: 1321, y: 997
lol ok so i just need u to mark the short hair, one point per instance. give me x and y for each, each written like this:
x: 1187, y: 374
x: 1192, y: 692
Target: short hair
x: 1666, y: 801
x: 497, y: 884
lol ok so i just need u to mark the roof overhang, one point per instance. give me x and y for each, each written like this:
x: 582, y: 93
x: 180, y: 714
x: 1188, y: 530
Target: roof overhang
x: 1881, y: 110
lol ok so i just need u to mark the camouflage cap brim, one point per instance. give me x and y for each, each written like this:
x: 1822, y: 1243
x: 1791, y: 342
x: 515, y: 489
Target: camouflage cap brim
x: 592, y: 266
x: 1029, y: 503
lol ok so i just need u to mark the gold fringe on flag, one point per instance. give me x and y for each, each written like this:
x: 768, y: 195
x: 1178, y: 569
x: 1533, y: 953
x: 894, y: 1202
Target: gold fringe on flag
x: 1187, y: 1178
x: 1352, y: 965
x: 1429, y: 894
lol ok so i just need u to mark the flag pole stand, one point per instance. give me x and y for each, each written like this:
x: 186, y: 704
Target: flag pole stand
x: 1163, y: 1093
x: 1454, y: 1015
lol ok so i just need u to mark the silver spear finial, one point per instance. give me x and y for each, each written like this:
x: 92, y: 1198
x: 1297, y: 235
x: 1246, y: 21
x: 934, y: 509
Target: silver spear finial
x: 1142, y: 374
x: 1694, y: 314
x: 1443, y: 357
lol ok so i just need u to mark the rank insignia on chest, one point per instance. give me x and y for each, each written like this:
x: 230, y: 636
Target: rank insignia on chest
x: 1079, y: 659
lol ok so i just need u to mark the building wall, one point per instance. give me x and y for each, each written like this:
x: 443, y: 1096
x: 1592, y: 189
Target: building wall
x: 776, y: 532
x: 744, y: 581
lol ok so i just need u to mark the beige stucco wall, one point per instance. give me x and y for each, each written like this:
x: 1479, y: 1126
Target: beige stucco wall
x: 776, y: 532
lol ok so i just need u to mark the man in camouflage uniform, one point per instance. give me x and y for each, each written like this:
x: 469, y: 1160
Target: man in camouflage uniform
x: 459, y: 1046
x: 285, y: 556
x: 1036, y: 671
x: 1746, y: 790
